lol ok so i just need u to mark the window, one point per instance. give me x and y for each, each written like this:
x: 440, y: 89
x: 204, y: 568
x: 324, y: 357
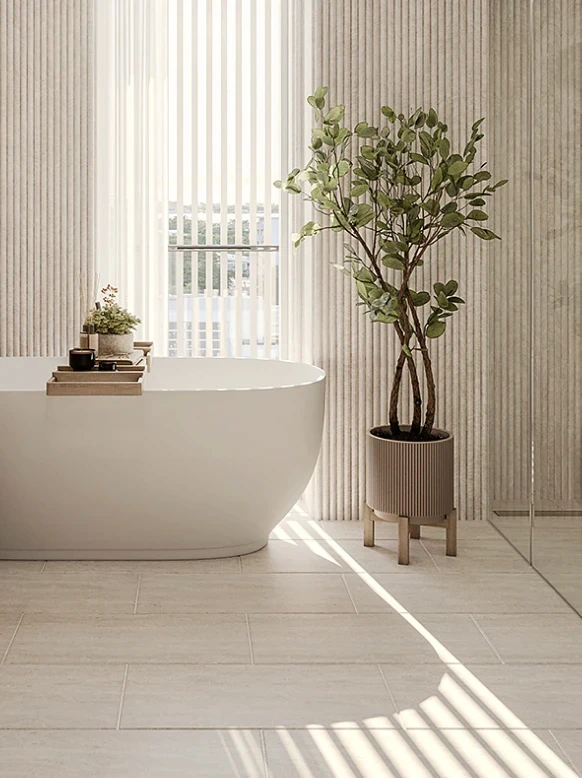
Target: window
x: 224, y: 131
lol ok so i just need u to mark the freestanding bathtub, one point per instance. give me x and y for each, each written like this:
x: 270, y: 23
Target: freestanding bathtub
x: 204, y: 464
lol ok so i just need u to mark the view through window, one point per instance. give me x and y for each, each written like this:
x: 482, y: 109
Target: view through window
x: 225, y: 151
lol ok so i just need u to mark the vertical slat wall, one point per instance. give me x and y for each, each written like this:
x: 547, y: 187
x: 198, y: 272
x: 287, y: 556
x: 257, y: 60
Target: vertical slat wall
x: 225, y: 109
x: 510, y: 259
x: 404, y: 53
x: 557, y: 265
x: 552, y: 256
x: 46, y: 173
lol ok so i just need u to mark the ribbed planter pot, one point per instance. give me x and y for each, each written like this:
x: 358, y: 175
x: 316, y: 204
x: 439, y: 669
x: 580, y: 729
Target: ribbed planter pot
x: 115, y: 345
x: 410, y: 478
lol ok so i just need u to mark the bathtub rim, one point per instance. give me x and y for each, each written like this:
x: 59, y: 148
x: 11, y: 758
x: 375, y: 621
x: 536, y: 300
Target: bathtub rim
x: 319, y: 376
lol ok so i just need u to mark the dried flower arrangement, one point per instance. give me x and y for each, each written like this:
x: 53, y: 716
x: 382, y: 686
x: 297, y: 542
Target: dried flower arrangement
x: 111, y: 318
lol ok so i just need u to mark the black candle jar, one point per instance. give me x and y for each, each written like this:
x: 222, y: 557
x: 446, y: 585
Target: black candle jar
x: 82, y: 358
x: 107, y: 364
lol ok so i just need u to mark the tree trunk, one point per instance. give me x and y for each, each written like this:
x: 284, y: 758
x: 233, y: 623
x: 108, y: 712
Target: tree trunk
x: 395, y: 395
x: 430, y: 396
x: 416, y: 398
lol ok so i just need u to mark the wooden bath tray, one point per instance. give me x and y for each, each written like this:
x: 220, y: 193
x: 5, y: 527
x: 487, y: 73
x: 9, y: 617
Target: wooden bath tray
x: 95, y: 383
x: 140, y: 368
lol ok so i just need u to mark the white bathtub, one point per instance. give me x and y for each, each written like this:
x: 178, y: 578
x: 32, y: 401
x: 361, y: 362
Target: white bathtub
x: 204, y: 464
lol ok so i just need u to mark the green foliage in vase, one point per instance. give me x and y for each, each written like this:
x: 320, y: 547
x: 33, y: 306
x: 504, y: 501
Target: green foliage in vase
x: 111, y: 318
x: 396, y: 190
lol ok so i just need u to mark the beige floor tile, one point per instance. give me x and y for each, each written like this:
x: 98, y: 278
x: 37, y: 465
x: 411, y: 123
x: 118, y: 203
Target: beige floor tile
x: 568, y: 584
x: 535, y: 638
x: 480, y: 555
x: 443, y: 593
x: 13, y: 566
x: 535, y: 696
x: 243, y: 593
x: 77, y: 639
x: 49, y: 697
x: 363, y: 638
x: 570, y: 741
x: 297, y: 527
x: 254, y: 697
x: 317, y: 556
x: 371, y: 753
x: 79, y: 593
x: 8, y: 624
x: 104, y: 754
x: 192, y: 566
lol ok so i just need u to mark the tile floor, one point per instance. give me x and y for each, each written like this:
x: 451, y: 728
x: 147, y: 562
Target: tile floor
x: 314, y: 658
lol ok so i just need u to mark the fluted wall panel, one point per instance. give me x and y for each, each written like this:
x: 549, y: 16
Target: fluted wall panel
x: 536, y: 46
x: 404, y: 53
x: 46, y: 171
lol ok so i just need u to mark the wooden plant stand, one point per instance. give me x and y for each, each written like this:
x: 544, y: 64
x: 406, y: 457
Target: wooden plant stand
x: 410, y: 528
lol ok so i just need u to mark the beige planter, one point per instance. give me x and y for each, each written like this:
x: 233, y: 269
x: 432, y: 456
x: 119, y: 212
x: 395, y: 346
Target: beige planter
x: 115, y: 345
x: 410, y: 478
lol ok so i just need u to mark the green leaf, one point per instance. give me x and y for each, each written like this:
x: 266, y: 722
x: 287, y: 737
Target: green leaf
x: 393, y: 262
x: 484, y: 234
x: 444, y: 148
x: 432, y: 118
x: 383, y: 199
x: 436, y: 329
x: 458, y: 300
x: 477, y: 215
x: 482, y: 175
x: 456, y: 168
x: 278, y: 184
x: 359, y: 189
x: 364, y: 275
x: 321, y: 91
x: 451, y: 220
x: 442, y: 300
x: 408, y: 135
x: 478, y: 201
x: 393, y: 246
x: 334, y: 115
x: 418, y: 158
x: 500, y: 183
x: 406, y: 350
x: 438, y: 287
x: 477, y: 124
x: 293, y: 188
x: 431, y: 206
x: 451, y: 287
x: 420, y: 298
x: 343, y: 167
x: 388, y: 113
x: 449, y: 207
x: 437, y: 178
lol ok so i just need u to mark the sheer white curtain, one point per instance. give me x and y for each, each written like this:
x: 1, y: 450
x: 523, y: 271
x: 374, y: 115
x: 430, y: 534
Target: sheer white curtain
x: 131, y: 66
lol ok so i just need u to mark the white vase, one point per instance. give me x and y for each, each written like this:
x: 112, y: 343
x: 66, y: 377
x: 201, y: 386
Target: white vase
x: 115, y: 345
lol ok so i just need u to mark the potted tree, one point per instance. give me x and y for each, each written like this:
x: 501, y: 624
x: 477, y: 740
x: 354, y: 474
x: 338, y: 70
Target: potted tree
x: 113, y: 324
x: 395, y: 191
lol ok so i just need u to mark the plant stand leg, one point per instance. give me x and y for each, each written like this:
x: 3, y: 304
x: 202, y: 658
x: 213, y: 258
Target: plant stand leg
x: 452, y: 533
x: 403, y: 540
x: 415, y: 531
x: 368, y: 526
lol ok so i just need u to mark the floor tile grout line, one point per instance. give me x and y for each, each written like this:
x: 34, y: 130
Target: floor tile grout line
x: 266, y: 771
x: 12, y: 639
x: 482, y: 631
x: 43, y: 568
x: 388, y: 689
x: 430, y: 556
x: 121, y: 701
x: 137, y: 594
x: 252, y: 653
x: 563, y: 750
x: 349, y: 594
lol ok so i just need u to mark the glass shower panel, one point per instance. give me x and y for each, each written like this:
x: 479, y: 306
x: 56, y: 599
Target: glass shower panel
x: 557, y: 262
x: 508, y: 134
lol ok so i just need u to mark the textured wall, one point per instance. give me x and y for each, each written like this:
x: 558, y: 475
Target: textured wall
x: 46, y: 168
x: 541, y: 154
x: 404, y: 53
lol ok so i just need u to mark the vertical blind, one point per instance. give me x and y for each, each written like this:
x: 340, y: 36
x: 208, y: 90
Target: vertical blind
x: 225, y: 96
